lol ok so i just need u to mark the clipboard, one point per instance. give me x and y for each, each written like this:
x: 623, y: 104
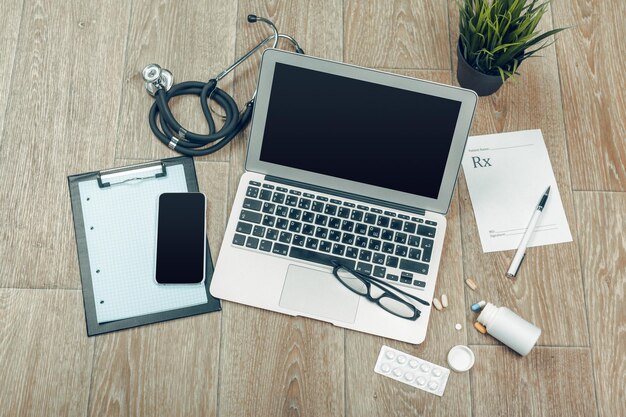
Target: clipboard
x: 114, y: 214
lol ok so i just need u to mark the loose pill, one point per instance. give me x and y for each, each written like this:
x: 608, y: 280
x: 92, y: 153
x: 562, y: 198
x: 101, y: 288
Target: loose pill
x: 444, y: 300
x: 480, y: 327
x: 458, y: 326
x: 471, y: 283
x: 478, y: 306
x: 437, y: 304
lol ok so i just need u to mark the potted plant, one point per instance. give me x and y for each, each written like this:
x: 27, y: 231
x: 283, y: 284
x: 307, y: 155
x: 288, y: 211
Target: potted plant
x: 495, y: 37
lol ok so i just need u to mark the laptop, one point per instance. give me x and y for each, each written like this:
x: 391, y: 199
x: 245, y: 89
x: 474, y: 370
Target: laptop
x: 345, y: 165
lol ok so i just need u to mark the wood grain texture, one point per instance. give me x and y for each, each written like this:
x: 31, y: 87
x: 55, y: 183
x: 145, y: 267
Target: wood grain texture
x: 594, y: 99
x: 550, y: 275
x: 58, y: 123
x: 276, y: 365
x: 547, y: 382
x: 603, y: 254
x: 368, y: 393
x: 10, y: 19
x: 45, y: 355
x: 393, y: 34
x: 169, y: 368
x: 195, y: 41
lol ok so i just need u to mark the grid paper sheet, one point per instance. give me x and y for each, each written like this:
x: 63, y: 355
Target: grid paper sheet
x: 122, y: 247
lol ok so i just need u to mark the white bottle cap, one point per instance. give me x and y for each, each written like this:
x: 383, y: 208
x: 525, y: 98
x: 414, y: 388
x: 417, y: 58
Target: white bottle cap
x: 461, y: 358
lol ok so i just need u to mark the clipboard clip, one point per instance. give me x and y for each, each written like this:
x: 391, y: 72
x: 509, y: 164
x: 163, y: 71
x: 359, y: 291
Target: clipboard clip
x: 138, y: 172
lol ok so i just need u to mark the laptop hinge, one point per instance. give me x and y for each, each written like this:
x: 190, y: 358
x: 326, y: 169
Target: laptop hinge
x: 344, y: 194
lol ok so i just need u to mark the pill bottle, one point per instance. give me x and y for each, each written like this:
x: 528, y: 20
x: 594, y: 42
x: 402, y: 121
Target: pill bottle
x: 509, y: 328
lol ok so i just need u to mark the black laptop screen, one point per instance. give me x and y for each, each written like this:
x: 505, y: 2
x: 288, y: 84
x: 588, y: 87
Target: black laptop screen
x: 359, y: 131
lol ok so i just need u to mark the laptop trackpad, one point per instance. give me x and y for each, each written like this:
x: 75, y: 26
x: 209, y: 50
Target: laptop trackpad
x: 318, y: 293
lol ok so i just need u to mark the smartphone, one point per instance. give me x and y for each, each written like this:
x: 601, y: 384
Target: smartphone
x: 181, y: 239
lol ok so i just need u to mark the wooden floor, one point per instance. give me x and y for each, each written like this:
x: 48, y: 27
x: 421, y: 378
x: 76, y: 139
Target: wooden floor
x: 72, y: 100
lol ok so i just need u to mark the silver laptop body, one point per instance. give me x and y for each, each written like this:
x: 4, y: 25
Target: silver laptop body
x: 348, y: 164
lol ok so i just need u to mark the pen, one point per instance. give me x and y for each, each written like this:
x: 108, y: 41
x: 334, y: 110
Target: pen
x: 521, y: 249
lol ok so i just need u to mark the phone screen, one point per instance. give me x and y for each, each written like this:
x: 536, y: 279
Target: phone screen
x: 180, y: 248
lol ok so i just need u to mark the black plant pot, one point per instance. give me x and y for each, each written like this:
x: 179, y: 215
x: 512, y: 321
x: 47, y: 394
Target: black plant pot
x: 471, y: 78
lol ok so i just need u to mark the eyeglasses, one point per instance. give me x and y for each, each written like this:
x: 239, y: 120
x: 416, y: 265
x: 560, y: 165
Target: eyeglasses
x: 391, y: 299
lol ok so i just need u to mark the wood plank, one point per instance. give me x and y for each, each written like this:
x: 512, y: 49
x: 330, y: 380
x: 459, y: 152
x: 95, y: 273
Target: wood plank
x: 191, y: 39
x: 368, y: 393
x: 603, y: 254
x: 397, y: 34
x: 169, y: 368
x: 45, y: 354
x: 59, y: 123
x: 550, y: 274
x: 296, y: 364
x: 591, y: 70
x: 10, y: 19
x: 547, y: 382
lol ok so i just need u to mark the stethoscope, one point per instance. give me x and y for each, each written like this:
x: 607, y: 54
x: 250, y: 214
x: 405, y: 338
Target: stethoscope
x: 159, y: 82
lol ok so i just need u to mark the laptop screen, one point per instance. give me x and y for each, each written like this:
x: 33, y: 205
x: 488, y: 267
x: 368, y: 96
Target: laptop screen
x: 358, y: 130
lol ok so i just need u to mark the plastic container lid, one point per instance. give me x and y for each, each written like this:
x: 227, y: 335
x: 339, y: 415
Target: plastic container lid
x: 461, y: 358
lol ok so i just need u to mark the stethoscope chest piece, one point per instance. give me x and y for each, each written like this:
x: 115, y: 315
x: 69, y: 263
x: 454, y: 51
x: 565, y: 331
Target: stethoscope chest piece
x: 157, y: 78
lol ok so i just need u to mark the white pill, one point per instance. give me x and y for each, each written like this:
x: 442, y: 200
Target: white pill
x: 397, y: 372
x: 401, y: 359
x: 458, y: 326
x: 390, y: 354
x: 437, y: 304
x: 432, y: 385
x: 385, y: 367
x: 420, y: 380
x: 409, y: 376
x: 413, y: 363
x: 437, y: 372
x: 425, y: 367
x: 444, y: 300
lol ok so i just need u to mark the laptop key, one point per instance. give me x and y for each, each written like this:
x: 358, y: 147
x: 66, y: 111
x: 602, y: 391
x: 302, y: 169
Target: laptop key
x: 414, y: 266
x: 382, y: 221
x: 252, y: 192
x: 361, y: 241
x: 418, y: 283
x: 258, y: 231
x: 285, y: 237
x: 251, y: 204
x: 295, y: 214
x: 426, y: 230
x: 388, y: 247
x: 325, y: 246
x: 347, y: 238
x: 330, y: 209
x: 374, y: 244
x: 278, y: 198
x: 320, y: 220
x: 239, y: 239
x: 295, y: 192
x: 401, y: 250
x: 282, y: 211
x: 265, y: 195
x: 317, y: 206
x: 250, y: 216
x: 312, y: 243
x: 280, y: 249
x: 320, y: 258
x: 409, y: 227
x: 365, y: 255
x: 414, y: 240
x: 334, y: 223
x: 352, y: 252
x: 282, y: 223
x: 308, y: 217
x: 406, y: 278
x: 338, y: 249
x: 321, y: 232
x: 244, y: 228
x: 268, y: 208
x: 265, y: 245
x: 396, y: 224
x: 392, y: 277
x: 431, y: 223
x: 387, y: 234
x: 360, y: 228
x: 347, y: 226
x: 379, y: 271
x: 269, y: 221
x: 415, y: 254
x: 298, y: 240
x: 252, y: 242
x: 295, y: 226
x: 258, y: 184
x: 304, y: 203
x: 364, y: 268
x: 356, y: 215
x: 373, y: 231
x: 308, y: 229
x: 378, y: 258
x: 370, y: 218
x: 400, y: 237
x: 272, y: 234
x: 392, y: 262
x: 291, y: 200
x: 268, y: 186
x: 344, y: 212
x: 334, y: 235
x: 427, y: 246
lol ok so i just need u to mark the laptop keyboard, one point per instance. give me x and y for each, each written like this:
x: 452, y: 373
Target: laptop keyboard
x: 318, y: 228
